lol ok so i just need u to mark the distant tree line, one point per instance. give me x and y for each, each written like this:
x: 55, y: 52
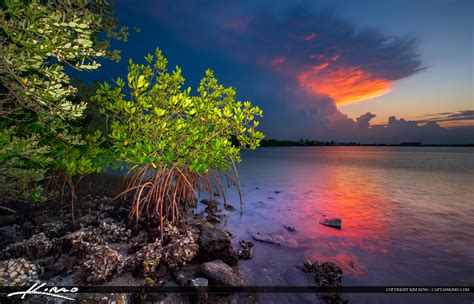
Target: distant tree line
x: 315, y: 143
x: 301, y: 142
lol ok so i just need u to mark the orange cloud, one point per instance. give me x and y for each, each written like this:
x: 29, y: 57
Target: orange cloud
x: 343, y: 84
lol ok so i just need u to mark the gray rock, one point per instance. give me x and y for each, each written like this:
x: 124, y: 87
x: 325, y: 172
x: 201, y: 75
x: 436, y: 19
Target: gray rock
x: 215, y: 244
x: 265, y: 237
x: 220, y: 273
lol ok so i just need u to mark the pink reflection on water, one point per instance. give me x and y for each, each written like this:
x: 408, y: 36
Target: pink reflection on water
x: 349, y: 196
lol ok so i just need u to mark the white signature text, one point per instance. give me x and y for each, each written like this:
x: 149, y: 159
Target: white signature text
x: 37, y: 289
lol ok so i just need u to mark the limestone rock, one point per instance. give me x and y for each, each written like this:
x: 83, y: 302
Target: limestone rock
x: 102, y: 264
x: 146, y: 260
x: 220, y: 273
x: 180, y: 251
x: 19, y: 272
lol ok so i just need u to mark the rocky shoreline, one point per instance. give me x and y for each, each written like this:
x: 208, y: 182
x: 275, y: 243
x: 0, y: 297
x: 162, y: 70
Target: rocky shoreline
x: 105, y: 248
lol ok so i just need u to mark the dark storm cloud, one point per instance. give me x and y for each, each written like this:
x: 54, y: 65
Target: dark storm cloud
x: 317, y: 50
x: 298, y: 64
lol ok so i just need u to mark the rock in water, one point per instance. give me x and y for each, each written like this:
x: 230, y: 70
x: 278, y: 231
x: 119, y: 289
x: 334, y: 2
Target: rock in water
x: 214, y: 218
x: 326, y: 274
x: 215, y: 244
x: 102, y: 264
x: 219, y: 273
x: 19, y: 272
x: 210, y: 203
x: 246, y: 249
x: 331, y: 222
x: 289, y: 228
x: 229, y: 207
x: 265, y: 237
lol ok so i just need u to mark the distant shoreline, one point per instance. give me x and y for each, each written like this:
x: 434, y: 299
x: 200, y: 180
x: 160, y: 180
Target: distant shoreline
x: 307, y: 143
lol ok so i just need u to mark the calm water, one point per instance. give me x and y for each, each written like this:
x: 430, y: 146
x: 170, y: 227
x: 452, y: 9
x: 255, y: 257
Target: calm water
x: 407, y: 217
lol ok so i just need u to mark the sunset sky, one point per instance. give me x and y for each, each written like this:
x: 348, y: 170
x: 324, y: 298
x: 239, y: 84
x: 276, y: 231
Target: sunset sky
x: 363, y: 71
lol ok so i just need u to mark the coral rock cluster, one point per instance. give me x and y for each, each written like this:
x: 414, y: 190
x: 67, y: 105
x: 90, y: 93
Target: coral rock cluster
x: 19, y: 272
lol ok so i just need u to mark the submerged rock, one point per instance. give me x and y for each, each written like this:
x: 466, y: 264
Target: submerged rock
x: 215, y: 243
x: 211, y: 210
x: 265, y: 237
x: 210, y: 203
x: 214, y: 218
x: 246, y: 249
x: 260, y: 205
x: 229, y: 207
x: 19, y: 272
x: 33, y: 248
x: 289, y: 228
x: 326, y: 274
x: 219, y: 273
x: 102, y: 264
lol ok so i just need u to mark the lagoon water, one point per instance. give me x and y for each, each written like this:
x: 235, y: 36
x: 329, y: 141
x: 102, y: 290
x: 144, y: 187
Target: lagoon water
x: 407, y: 217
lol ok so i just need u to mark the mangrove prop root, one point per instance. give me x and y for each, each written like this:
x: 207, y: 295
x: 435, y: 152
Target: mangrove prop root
x: 165, y: 191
